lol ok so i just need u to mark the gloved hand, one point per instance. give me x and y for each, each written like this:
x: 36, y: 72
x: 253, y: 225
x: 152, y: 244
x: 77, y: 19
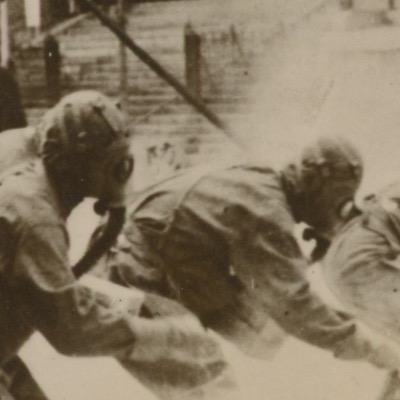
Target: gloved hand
x: 384, y: 356
x: 180, y: 338
x: 380, y: 353
x: 170, y: 345
x: 177, y: 350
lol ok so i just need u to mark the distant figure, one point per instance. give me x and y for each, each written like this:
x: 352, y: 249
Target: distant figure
x: 11, y: 112
x: 346, y: 4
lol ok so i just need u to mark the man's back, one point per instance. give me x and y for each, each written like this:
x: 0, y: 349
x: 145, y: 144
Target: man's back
x: 193, y: 220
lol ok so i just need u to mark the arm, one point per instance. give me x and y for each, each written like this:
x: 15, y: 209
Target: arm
x: 270, y: 265
x: 270, y: 258
x: 74, y: 318
x: 81, y: 319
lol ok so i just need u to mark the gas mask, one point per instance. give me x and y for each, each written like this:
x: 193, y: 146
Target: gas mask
x: 322, y: 183
x: 84, y: 141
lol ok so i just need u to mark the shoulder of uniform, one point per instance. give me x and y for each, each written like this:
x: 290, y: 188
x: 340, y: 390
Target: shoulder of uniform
x: 25, y: 196
x: 246, y: 192
x: 261, y: 184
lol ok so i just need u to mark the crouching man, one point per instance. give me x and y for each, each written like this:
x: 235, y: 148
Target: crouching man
x: 84, y: 151
x: 362, y: 267
x: 221, y: 243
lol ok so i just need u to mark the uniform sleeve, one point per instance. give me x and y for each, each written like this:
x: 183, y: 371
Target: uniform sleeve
x: 242, y: 215
x: 80, y: 319
x: 75, y: 319
x: 267, y: 260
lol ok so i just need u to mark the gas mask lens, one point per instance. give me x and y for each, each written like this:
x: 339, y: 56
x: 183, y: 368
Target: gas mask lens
x: 123, y: 170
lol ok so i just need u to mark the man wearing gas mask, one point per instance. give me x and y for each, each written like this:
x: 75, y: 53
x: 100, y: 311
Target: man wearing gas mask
x: 222, y: 243
x: 362, y: 267
x: 83, y: 151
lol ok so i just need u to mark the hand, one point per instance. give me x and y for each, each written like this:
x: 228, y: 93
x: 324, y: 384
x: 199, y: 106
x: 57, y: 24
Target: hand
x: 360, y: 347
x: 353, y: 348
x: 176, y: 337
x: 176, y: 347
x: 385, y: 357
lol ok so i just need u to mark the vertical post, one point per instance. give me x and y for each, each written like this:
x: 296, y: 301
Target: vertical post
x: 33, y: 16
x: 4, y: 34
x: 346, y: 4
x: 236, y: 43
x: 392, y: 4
x: 52, y: 63
x: 192, y: 45
x: 123, y: 62
x: 72, y: 9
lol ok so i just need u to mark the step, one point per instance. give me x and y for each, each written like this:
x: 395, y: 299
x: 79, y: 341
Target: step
x: 103, y: 56
x: 184, y: 109
x: 106, y: 67
x: 112, y: 45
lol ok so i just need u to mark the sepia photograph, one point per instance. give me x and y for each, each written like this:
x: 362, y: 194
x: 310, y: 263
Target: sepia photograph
x: 199, y: 199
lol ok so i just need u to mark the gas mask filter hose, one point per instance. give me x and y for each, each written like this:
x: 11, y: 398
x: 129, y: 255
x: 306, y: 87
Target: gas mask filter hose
x: 104, y: 240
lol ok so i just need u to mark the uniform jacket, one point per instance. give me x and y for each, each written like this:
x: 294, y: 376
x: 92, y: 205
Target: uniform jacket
x: 39, y: 292
x: 37, y: 288
x: 362, y: 266
x: 222, y: 243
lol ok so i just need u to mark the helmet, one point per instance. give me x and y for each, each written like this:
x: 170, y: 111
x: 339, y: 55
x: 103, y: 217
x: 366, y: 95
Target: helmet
x: 84, y: 140
x: 322, y: 182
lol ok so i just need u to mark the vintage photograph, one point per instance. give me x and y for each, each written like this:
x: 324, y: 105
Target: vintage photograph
x: 199, y: 199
